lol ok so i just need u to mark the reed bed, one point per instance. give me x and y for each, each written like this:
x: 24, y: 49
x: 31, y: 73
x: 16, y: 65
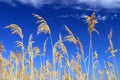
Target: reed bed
x: 63, y: 66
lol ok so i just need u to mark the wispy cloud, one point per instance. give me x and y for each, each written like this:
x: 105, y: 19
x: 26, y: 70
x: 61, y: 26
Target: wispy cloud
x: 76, y: 4
x: 76, y: 16
x: 102, y: 18
x: 114, y: 16
x: 8, y: 1
x: 99, y: 17
x: 102, y: 3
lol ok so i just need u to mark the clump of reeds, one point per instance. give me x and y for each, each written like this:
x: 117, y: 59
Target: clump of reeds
x: 64, y: 65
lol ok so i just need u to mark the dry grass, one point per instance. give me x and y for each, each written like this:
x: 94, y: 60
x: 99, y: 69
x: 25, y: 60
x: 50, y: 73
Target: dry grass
x: 15, y: 29
x: 64, y: 66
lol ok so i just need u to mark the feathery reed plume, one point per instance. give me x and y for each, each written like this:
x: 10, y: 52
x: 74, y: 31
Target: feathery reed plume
x: 95, y: 55
x: 15, y: 30
x: 111, y: 47
x: 43, y: 27
x: 36, y: 51
x: 40, y: 19
x: 91, y: 23
x: 71, y: 38
x: 20, y: 44
x: 68, y: 30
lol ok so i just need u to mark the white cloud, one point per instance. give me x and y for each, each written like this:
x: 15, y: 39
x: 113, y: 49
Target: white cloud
x: 8, y: 1
x: 36, y: 3
x: 114, y: 16
x: 109, y: 4
x: 76, y: 16
x: 99, y: 17
x: 77, y: 4
x: 102, y: 18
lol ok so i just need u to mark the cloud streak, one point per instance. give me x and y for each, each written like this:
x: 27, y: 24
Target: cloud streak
x: 76, y: 4
x: 102, y: 18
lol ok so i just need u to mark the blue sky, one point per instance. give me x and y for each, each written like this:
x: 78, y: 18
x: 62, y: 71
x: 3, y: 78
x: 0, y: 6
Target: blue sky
x: 58, y: 13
